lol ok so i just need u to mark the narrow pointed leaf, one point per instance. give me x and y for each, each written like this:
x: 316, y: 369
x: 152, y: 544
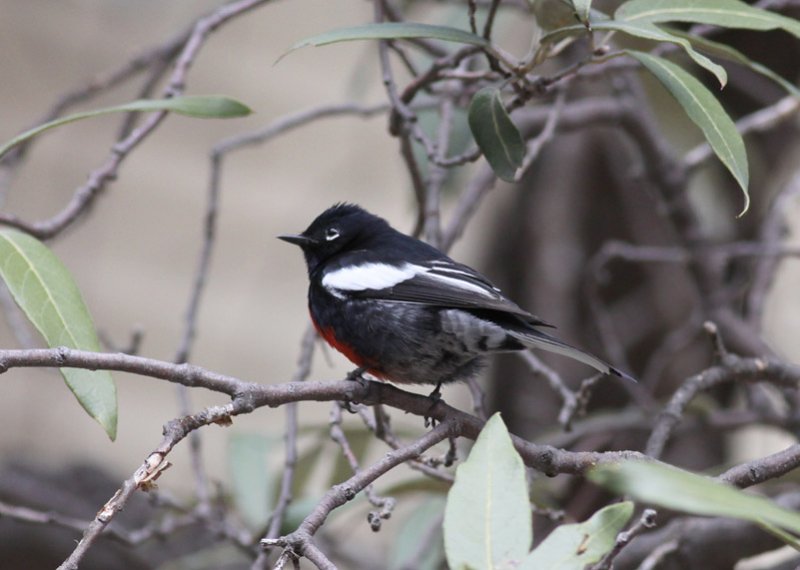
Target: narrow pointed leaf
x: 391, y: 31
x: 47, y: 294
x: 574, y: 546
x: 200, y: 106
x: 781, y: 534
x: 647, y: 31
x: 706, y: 112
x: 660, y: 484
x: 725, y: 13
x: 582, y: 9
x: 487, y: 519
x: 726, y: 52
x: 496, y: 135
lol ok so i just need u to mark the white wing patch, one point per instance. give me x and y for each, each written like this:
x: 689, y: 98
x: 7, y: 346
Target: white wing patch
x: 378, y: 276
x: 446, y: 267
x: 457, y: 282
x: 374, y: 276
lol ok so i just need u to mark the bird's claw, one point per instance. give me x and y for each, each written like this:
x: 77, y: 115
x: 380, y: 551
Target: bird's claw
x: 356, y: 375
x: 435, y: 397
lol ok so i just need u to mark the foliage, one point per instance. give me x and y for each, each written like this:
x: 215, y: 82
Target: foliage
x: 458, y: 75
x: 487, y: 521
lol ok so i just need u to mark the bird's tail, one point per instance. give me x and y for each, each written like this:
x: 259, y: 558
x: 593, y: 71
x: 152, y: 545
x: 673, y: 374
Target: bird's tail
x: 533, y: 338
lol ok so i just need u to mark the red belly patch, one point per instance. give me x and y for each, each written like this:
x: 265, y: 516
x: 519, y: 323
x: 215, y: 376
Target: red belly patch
x: 329, y: 336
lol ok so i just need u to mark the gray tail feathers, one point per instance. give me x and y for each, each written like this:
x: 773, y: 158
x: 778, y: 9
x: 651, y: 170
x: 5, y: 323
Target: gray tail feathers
x: 533, y: 338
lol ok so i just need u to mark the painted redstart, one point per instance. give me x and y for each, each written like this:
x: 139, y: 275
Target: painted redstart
x: 405, y: 312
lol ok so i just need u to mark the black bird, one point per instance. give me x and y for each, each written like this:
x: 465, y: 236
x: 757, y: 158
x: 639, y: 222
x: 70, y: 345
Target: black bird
x: 404, y: 311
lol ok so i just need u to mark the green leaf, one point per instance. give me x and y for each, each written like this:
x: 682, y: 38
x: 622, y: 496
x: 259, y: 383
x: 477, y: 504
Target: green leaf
x: 647, y: 31
x: 416, y: 530
x: 306, y: 466
x: 726, y: 52
x: 780, y: 534
x: 200, y: 106
x: 667, y: 486
x: 725, y: 13
x: 47, y: 294
x: 218, y: 555
x: 360, y: 440
x: 495, y: 134
x: 582, y: 9
x: 391, y: 31
x: 706, y: 112
x: 252, y: 481
x: 574, y: 546
x: 487, y: 519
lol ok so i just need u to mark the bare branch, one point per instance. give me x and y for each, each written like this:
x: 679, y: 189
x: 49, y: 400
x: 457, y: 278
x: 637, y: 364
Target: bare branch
x: 758, y: 121
x: 764, y: 468
x: 301, y: 540
x: 732, y: 369
x: 247, y: 396
x: 84, y: 196
x: 645, y: 522
x: 156, y: 56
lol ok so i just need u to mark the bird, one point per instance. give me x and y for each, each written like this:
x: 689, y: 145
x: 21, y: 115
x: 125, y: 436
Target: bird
x: 405, y: 312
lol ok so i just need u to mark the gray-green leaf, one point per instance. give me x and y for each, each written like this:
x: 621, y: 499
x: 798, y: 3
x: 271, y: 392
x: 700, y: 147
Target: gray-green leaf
x: 706, y: 112
x: 47, y: 294
x: 574, y: 546
x: 391, y: 31
x: 582, y: 9
x: 405, y: 552
x: 487, y: 519
x: 200, y: 106
x: 647, y: 31
x: 252, y: 483
x: 660, y: 484
x: 725, y: 13
x: 496, y: 135
x: 726, y: 52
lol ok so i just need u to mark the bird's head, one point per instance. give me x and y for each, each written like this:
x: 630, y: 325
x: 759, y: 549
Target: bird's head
x: 340, y: 228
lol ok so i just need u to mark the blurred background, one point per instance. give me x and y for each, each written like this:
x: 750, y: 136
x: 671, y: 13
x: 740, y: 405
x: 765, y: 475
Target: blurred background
x: 134, y: 256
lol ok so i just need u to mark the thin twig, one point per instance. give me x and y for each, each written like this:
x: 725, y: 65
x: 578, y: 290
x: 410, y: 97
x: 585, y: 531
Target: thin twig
x: 487, y: 28
x: 190, y: 327
x: 646, y: 521
x: 85, y: 195
x: 384, y: 504
x: 158, y: 55
x: 548, y: 132
x: 380, y: 427
x: 570, y: 405
x: 732, y: 369
x: 764, y: 468
x: 467, y: 205
x: 251, y: 395
x: 301, y: 540
x: 478, y: 398
x: 772, y: 232
x: 437, y: 176
x: 143, y: 478
x: 293, y: 121
x: 285, y: 496
x: 758, y: 121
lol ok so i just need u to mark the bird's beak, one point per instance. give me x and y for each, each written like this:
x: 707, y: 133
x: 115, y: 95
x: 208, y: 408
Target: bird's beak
x: 300, y: 239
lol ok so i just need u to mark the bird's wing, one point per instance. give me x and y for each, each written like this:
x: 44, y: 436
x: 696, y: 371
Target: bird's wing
x: 442, y: 283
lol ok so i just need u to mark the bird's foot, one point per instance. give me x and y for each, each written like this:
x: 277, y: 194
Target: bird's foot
x: 435, y: 397
x: 356, y: 375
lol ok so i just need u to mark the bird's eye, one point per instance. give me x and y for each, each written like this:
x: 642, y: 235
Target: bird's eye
x: 331, y: 234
